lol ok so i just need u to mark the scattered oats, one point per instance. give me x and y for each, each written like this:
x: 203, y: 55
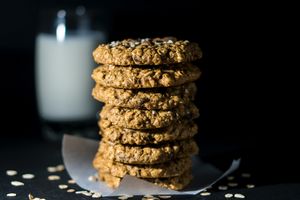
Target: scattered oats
x: 123, y: 197
x: 79, y: 192
x: 51, y: 169
x: 230, y: 178
x: 11, y: 172
x: 60, y: 168
x: 70, y: 190
x: 205, y: 193
x: 27, y: 176
x: 17, y: 183
x: 222, y: 187
x: 71, y: 181
x: 96, y: 195
x: 246, y: 175
x: 232, y: 184
x: 94, y: 192
x: 92, y: 178
x: 62, y: 187
x: 228, y: 195
x: 165, y: 197
x: 239, y: 196
x: 30, y: 197
x: 250, y: 186
x: 53, y: 178
x: 11, y: 194
x: 87, y: 193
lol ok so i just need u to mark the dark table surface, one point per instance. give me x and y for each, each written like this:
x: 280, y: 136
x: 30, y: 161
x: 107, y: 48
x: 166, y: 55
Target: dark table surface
x: 34, y: 155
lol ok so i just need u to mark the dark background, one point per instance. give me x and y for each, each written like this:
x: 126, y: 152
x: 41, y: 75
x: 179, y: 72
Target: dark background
x: 243, y: 93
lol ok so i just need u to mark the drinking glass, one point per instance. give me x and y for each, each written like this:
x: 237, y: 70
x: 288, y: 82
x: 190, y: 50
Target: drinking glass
x: 63, y: 67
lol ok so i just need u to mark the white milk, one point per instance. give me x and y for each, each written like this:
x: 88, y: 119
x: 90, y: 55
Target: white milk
x: 63, y: 76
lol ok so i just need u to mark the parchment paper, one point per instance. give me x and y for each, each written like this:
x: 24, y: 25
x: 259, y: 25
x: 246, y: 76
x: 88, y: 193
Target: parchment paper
x: 78, y: 154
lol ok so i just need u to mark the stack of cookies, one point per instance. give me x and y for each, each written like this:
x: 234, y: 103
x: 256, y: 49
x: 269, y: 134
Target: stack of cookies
x: 147, y: 125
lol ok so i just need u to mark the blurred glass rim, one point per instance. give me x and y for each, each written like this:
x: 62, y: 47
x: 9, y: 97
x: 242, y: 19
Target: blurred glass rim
x: 98, y: 18
x: 72, y: 10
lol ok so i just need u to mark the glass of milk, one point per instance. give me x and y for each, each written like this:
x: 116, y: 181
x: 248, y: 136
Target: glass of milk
x: 63, y: 67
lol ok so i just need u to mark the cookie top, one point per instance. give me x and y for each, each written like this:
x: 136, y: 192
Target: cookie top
x: 150, y: 99
x: 169, y: 169
x: 173, y: 183
x: 157, y: 51
x: 147, y: 119
x: 178, y: 131
x: 145, y: 77
x: 143, y: 155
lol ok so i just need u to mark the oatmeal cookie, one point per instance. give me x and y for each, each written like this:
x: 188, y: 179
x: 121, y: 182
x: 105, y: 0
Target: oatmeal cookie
x: 169, y: 169
x: 145, y: 77
x: 147, y: 51
x: 153, y: 154
x: 173, y: 183
x: 178, y: 131
x: 147, y: 119
x: 150, y: 99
